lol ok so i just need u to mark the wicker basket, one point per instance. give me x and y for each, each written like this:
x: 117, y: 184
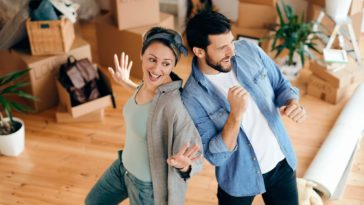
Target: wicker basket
x: 50, y: 37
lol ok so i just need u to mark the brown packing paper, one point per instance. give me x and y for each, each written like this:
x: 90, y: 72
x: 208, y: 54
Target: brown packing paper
x: 110, y: 41
x: 42, y: 75
x: 135, y: 13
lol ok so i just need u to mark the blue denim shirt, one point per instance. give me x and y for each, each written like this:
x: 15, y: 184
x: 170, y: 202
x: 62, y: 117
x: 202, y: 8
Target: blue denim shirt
x: 237, y: 171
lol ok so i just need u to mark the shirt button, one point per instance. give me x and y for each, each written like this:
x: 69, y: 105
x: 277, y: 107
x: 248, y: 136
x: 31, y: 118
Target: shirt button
x: 254, y: 158
x: 258, y: 172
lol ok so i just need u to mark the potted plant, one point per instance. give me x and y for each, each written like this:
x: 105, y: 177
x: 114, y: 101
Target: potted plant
x: 12, y: 128
x: 294, y: 35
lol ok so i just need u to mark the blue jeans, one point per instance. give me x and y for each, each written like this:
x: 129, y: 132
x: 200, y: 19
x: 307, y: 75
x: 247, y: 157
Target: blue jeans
x: 117, y: 184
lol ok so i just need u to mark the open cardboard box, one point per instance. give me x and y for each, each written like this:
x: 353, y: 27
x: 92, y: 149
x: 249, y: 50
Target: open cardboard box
x: 62, y: 116
x: 104, y: 101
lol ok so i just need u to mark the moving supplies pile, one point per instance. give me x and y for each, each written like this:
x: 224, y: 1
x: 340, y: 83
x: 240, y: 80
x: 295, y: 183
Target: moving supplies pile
x: 122, y: 30
x: 330, y: 82
x: 254, y: 19
x: 52, y: 40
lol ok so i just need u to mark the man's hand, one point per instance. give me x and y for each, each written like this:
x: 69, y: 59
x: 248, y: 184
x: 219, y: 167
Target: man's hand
x: 238, y: 99
x: 294, y: 111
x: 185, y: 157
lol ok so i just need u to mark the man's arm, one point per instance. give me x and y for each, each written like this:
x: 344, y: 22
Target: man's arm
x: 217, y: 149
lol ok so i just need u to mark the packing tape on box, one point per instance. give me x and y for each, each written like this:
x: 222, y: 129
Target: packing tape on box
x: 332, y: 164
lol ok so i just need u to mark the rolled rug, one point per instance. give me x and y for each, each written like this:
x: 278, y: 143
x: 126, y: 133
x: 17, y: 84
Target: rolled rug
x: 332, y: 164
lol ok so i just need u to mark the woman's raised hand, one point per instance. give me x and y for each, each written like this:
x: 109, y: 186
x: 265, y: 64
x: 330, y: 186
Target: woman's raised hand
x: 121, y: 73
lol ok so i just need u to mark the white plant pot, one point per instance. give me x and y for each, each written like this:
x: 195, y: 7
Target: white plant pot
x: 337, y: 9
x: 13, y: 144
x: 291, y: 72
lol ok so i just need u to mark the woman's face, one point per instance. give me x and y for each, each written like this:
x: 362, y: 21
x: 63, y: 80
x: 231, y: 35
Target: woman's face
x: 158, y: 61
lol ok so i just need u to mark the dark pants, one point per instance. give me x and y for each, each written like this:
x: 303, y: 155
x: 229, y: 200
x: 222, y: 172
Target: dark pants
x: 280, y: 184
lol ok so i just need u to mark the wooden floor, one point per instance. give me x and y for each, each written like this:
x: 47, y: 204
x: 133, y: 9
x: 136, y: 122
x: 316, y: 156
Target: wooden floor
x: 61, y: 162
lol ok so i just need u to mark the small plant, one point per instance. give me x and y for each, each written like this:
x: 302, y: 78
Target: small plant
x: 293, y: 34
x: 10, y: 87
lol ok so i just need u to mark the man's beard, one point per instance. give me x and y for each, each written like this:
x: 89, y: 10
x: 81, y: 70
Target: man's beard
x: 218, y: 66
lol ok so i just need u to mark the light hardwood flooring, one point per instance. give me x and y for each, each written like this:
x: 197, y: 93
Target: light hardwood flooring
x: 61, y: 162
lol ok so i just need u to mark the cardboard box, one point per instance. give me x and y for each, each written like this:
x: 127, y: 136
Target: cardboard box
x: 42, y: 76
x: 62, y: 116
x: 135, y: 13
x: 264, y: 2
x: 341, y: 78
x: 256, y: 16
x: 111, y: 40
x: 323, y: 90
x: 106, y: 99
x: 252, y: 33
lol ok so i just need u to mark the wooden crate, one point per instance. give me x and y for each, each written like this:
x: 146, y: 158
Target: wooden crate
x: 50, y: 37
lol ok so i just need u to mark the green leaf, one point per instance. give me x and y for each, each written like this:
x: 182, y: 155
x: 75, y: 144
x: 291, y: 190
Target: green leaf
x: 13, y: 88
x: 23, y: 94
x: 6, y: 108
x: 19, y: 107
x: 12, y: 76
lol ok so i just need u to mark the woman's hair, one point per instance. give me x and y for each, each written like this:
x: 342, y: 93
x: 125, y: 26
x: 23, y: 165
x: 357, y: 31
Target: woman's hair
x: 167, y: 37
x: 204, y: 24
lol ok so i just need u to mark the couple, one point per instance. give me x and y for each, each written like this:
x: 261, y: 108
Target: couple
x: 234, y: 96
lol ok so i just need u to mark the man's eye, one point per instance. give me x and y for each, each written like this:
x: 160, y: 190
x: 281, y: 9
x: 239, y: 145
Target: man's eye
x: 166, y: 64
x: 152, y: 60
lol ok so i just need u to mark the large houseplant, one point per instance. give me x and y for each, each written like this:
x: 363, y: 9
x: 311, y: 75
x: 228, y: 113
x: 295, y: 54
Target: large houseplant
x: 12, y: 128
x: 294, y: 35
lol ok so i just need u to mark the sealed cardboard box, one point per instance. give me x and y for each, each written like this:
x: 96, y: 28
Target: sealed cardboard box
x: 264, y: 2
x: 251, y: 33
x: 256, y: 16
x: 106, y: 99
x: 42, y: 75
x: 135, y: 13
x: 62, y: 116
x: 111, y: 40
x: 337, y: 79
x: 323, y: 90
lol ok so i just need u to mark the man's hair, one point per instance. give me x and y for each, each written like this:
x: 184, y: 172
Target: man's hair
x: 204, y: 24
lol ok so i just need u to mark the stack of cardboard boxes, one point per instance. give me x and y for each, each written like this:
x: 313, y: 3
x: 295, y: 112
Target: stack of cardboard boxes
x: 122, y: 30
x: 331, y: 85
x: 43, y: 80
x: 254, y: 19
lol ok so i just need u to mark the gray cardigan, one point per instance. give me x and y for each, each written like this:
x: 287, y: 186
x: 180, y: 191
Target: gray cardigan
x: 169, y: 127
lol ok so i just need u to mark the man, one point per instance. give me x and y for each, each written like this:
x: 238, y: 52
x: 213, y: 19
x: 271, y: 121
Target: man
x: 235, y: 95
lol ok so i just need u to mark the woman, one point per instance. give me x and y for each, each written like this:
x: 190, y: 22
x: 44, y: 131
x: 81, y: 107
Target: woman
x: 157, y: 158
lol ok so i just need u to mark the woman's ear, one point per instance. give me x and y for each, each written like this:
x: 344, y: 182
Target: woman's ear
x: 199, y: 52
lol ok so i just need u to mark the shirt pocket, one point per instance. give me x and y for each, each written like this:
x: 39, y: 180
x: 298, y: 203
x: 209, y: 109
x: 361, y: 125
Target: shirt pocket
x: 210, y: 125
x: 261, y: 79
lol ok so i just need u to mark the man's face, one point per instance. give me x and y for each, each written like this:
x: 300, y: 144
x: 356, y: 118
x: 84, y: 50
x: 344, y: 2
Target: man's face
x: 220, y: 52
